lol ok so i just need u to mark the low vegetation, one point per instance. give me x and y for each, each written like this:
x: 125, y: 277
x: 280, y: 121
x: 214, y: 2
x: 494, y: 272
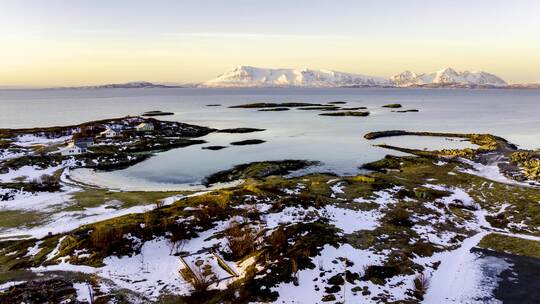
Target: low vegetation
x: 257, y: 170
x: 529, y: 162
x: 509, y: 244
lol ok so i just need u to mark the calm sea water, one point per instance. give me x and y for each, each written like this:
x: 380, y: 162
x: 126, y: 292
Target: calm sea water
x: 336, y: 141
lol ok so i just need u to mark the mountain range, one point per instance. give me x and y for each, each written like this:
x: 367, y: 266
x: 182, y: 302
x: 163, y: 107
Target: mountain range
x: 247, y: 76
x: 131, y: 85
x: 254, y: 77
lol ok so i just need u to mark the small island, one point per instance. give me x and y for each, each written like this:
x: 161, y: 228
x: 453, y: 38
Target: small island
x: 346, y: 113
x: 248, y: 142
x: 392, y: 106
x: 157, y: 113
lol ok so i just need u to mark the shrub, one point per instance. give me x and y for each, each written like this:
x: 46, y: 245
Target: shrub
x: 241, y: 240
x: 294, y: 271
x: 106, y: 237
x: 364, y: 179
x: 278, y: 239
x: 200, y: 276
x: 399, y: 217
x: 47, y: 183
x: 423, y: 249
x: 379, y: 274
x: 421, y: 284
x: 159, y: 204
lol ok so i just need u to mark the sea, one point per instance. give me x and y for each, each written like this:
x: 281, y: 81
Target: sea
x: 337, y: 142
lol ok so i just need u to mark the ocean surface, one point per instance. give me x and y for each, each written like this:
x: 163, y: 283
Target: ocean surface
x: 336, y: 141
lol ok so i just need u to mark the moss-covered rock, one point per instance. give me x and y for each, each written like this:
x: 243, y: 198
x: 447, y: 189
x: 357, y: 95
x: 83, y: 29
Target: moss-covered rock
x: 392, y: 106
x: 258, y: 170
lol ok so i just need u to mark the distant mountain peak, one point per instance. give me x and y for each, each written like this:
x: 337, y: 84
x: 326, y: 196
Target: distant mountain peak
x: 448, y: 77
x: 448, y: 70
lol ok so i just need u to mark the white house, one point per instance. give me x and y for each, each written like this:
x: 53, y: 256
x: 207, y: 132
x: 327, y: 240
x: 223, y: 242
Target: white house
x: 78, y: 146
x: 144, y: 127
x: 111, y: 133
x: 74, y: 149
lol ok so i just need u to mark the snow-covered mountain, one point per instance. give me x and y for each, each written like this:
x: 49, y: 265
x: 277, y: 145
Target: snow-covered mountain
x: 447, y: 77
x: 247, y: 76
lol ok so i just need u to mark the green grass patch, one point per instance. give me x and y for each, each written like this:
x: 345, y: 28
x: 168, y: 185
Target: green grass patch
x: 20, y: 218
x: 90, y: 198
x: 509, y: 244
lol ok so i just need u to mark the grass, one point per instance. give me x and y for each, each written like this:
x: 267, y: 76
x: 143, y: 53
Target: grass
x: 509, y: 244
x: 20, y: 218
x: 96, y: 197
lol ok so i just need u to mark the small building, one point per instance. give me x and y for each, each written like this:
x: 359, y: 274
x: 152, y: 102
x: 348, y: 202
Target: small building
x: 84, y: 142
x: 74, y: 149
x: 111, y: 133
x: 145, y: 127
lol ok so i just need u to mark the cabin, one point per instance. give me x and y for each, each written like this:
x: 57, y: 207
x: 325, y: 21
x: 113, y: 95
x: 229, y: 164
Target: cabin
x: 111, y: 133
x: 78, y: 146
x: 74, y: 149
x: 84, y: 142
x: 145, y: 127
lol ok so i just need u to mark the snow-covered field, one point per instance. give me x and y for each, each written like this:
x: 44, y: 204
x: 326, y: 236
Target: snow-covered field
x: 29, y: 140
x: 29, y: 173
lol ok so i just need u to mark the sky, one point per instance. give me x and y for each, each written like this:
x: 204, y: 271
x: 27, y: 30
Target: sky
x: 75, y: 42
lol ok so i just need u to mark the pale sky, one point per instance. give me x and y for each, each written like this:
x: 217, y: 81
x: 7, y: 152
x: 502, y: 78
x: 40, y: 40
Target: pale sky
x: 74, y: 42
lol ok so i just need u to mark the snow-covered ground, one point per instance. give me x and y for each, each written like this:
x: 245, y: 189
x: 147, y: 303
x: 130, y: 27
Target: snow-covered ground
x: 38, y: 201
x: 29, y: 140
x: 149, y: 272
x: 310, y: 287
x: 5, y: 154
x: 459, y: 278
x: 28, y: 172
x: 491, y: 172
x: 123, y: 183
x: 64, y: 221
x: 7, y: 285
x: 156, y: 269
x: 83, y: 292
